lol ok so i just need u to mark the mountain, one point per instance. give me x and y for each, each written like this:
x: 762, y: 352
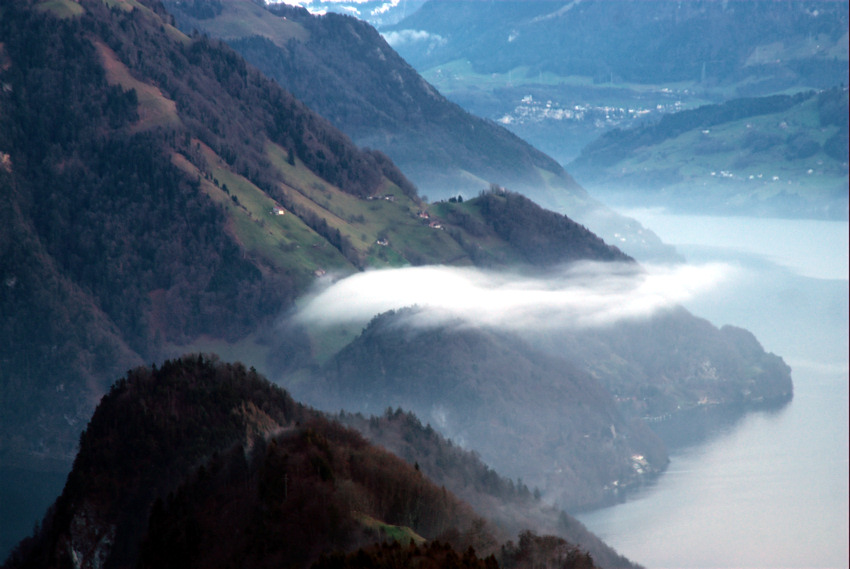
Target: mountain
x: 782, y: 156
x: 530, y: 415
x: 343, y: 69
x: 560, y: 73
x: 508, y: 505
x: 160, y: 195
x: 199, y: 463
x: 142, y: 216
x: 563, y: 410
x: 135, y: 218
x: 775, y: 45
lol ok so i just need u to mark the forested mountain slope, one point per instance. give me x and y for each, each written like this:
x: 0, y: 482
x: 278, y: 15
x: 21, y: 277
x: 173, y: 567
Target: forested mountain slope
x: 342, y: 68
x: 158, y: 189
x: 508, y: 504
x: 563, y: 409
x: 530, y: 415
x: 199, y: 463
x: 114, y: 137
x: 346, y: 72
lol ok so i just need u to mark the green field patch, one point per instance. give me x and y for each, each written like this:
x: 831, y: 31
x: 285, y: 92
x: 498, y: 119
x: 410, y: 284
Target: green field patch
x: 282, y: 241
x: 60, y: 8
x: 744, y: 161
x: 401, y: 534
x: 155, y: 109
x: 247, y: 19
x: 391, y: 217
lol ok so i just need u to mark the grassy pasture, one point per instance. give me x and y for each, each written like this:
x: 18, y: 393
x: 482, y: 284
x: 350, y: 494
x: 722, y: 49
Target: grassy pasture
x: 60, y: 8
x: 155, y: 109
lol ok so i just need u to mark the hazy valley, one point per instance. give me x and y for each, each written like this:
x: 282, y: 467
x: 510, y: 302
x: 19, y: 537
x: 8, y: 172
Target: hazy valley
x: 582, y: 87
x: 161, y: 195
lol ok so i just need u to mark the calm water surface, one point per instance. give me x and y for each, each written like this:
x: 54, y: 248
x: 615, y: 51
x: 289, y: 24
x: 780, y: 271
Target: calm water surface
x: 770, y: 490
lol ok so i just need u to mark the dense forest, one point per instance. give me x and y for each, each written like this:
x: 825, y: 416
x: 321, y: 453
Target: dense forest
x: 520, y: 406
x: 509, y: 504
x: 200, y: 463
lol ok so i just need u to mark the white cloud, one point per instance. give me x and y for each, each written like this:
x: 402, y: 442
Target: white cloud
x: 579, y: 295
x: 404, y: 37
x: 385, y: 7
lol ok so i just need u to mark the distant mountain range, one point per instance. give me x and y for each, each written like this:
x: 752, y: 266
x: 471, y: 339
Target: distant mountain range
x: 561, y: 73
x: 376, y: 12
x: 768, y: 44
x: 781, y: 156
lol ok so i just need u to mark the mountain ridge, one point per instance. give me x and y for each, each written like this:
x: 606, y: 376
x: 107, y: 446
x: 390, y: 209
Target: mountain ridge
x: 199, y: 461
x: 309, y: 66
x: 345, y: 70
x: 782, y: 155
x: 560, y: 74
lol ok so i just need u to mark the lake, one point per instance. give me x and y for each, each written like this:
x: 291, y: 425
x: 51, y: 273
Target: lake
x: 769, y: 490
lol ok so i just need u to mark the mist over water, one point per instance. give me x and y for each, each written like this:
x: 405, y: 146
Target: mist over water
x: 807, y: 247
x: 771, y: 489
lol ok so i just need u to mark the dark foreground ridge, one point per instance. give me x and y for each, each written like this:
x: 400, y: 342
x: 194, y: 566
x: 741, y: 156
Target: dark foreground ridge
x: 200, y: 463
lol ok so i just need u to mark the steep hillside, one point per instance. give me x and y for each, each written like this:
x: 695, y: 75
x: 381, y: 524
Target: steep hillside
x: 345, y: 71
x: 782, y: 156
x: 529, y: 415
x: 563, y: 409
x: 120, y: 235
x: 199, y: 463
x: 157, y: 190
x: 508, y: 505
